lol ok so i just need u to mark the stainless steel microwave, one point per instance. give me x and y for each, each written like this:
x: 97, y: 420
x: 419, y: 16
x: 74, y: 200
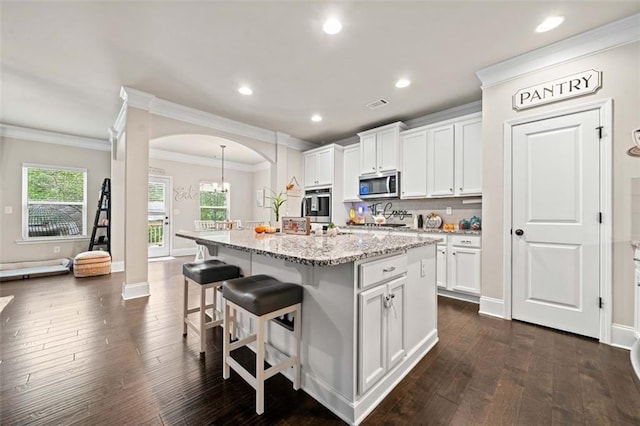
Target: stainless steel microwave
x: 381, y: 185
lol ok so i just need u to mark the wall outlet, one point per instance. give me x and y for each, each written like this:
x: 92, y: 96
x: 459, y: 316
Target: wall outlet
x: 448, y: 210
x: 8, y: 210
x: 56, y: 249
x: 423, y: 267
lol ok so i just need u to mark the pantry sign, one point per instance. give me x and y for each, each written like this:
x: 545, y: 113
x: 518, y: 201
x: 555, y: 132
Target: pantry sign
x: 570, y: 86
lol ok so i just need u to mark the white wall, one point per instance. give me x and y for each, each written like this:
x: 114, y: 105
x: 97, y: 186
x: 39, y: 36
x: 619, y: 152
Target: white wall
x: 15, y: 152
x: 621, y: 81
x: 261, y: 180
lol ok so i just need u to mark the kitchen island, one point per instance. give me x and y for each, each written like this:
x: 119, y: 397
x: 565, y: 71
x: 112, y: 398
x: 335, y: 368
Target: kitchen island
x: 369, y: 309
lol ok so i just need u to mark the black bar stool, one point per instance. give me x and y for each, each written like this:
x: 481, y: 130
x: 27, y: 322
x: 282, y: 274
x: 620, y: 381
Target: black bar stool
x: 264, y: 298
x: 207, y: 274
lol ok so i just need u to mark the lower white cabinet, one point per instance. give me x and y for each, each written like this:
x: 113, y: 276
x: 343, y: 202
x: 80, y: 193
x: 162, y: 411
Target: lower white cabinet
x: 458, y: 263
x: 382, y: 331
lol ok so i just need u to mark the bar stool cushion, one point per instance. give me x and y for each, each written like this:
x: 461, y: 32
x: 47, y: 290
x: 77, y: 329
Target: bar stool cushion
x: 261, y: 294
x: 209, y: 271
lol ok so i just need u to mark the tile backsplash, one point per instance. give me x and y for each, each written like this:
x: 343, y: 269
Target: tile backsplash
x: 439, y: 206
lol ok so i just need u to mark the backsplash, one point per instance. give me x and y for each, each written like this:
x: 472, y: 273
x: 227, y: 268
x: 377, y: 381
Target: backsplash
x: 459, y: 210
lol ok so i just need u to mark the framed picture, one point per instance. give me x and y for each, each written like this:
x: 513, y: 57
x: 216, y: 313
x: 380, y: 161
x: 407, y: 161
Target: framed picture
x: 296, y: 225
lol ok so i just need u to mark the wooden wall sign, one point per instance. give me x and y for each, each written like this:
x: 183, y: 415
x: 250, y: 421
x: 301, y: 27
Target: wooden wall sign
x: 579, y: 84
x: 296, y: 225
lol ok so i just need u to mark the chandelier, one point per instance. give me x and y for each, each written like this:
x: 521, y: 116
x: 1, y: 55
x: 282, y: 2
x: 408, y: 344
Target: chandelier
x: 223, y: 186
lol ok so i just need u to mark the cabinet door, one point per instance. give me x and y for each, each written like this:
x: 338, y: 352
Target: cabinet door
x: 468, y: 149
x: 441, y: 266
x: 368, y: 154
x: 324, y: 171
x: 440, y: 161
x: 350, y: 173
x: 310, y: 169
x: 387, y: 152
x: 372, y: 346
x: 414, y: 165
x: 395, y: 321
x: 465, y: 270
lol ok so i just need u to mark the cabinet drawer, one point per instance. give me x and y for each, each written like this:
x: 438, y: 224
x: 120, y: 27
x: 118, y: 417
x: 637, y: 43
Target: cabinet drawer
x: 465, y: 241
x: 378, y: 271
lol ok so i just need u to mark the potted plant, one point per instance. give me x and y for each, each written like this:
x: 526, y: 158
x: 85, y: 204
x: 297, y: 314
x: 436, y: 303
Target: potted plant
x: 332, y: 230
x: 277, y: 200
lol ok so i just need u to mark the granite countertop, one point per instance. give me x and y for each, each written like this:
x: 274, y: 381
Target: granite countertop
x: 409, y: 229
x: 311, y: 250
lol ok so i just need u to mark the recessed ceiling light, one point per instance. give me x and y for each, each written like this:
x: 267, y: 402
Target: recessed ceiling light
x: 549, y: 24
x: 403, y: 82
x: 245, y: 90
x: 316, y: 118
x: 332, y: 26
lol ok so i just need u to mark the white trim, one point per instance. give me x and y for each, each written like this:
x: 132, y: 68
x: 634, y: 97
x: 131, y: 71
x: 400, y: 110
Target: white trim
x: 445, y: 115
x: 164, y: 108
x: 491, y: 307
x: 117, y: 266
x: 458, y: 295
x: 36, y: 135
x: 191, y: 251
x: 622, y: 336
x: 158, y: 154
x: 605, y: 107
x: 135, y: 290
x: 265, y: 165
x: 606, y: 37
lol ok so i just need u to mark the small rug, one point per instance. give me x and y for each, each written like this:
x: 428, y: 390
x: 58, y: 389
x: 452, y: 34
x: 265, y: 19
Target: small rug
x: 4, y: 301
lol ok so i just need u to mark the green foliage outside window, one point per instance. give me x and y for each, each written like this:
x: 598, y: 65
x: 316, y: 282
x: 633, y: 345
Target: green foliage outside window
x: 213, y: 205
x: 55, y: 185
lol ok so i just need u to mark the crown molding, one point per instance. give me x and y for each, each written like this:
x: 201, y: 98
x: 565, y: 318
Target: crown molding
x: 446, y: 114
x: 615, y: 34
x: 36, y: 135
x: 137, y: 98
x: 159, y: 154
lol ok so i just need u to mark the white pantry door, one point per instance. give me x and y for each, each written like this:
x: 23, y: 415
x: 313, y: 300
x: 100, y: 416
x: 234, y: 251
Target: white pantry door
x: 555, y: 217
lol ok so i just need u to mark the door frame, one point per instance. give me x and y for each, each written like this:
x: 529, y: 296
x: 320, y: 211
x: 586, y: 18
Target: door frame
x: 605, y: 110
x: 169, y: 206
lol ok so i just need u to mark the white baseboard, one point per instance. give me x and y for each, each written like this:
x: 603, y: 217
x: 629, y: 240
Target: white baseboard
x: 191, y: 251
x: 459, y: 296
x: 492, y: 307
x: 117, y: 266
x: 622, y: 336
x: 135, y: 290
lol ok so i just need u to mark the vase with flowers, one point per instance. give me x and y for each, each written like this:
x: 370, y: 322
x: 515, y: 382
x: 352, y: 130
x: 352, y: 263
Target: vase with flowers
x: 277, y: 200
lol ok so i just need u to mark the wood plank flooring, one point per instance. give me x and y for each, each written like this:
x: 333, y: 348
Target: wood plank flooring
x: 73, y: 352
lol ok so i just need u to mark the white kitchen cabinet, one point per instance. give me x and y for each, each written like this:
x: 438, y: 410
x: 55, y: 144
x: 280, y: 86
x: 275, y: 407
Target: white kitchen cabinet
x: 379, y: 148
x: 413, y: 146
x: 468, y: 157
x: 351, y: 173
x: 442, y: 258
x: 382, y: 330
x: 318, y: 167
x: 464, y: 264
x: 440, y: 161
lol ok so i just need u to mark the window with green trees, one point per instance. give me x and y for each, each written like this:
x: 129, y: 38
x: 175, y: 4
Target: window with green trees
x: 214, y: 204
x: 54, y: 201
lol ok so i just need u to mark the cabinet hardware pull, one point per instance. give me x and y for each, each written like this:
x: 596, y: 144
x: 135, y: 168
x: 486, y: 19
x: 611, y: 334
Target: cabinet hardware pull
x: 465, y: 242
x: 460, y: 188
x: 389, y: 269
x: 450, y: 189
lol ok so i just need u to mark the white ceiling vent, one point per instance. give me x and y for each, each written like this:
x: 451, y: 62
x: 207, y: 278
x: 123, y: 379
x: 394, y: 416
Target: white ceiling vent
x: 377, y: 104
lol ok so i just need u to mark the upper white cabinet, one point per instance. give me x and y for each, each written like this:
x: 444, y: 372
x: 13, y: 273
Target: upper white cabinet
x: 413, y: 181
x: 351, y: 172
x: 318, y: 167
x: 443, y: 159
x: 440, y: 161
x: 468, y: 157
x: 379, y: 148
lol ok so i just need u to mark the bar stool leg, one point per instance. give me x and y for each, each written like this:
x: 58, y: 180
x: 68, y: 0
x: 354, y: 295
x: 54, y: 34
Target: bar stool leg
x: 226, y: 341
x: 297, y: 324
x: 260, y: 367
x: 185, y: 306
x: 203, y: 334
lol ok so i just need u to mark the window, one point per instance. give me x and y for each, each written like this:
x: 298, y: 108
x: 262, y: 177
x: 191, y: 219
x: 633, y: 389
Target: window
x: 53, y: 201
x: 214, y: 205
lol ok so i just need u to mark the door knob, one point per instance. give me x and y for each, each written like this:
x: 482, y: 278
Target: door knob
x: 519, y: 232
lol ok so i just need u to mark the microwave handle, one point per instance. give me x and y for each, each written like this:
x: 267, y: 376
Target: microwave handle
x: 388, y: 184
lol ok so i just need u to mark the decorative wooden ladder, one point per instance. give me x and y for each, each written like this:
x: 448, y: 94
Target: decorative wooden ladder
x: 104, y: 205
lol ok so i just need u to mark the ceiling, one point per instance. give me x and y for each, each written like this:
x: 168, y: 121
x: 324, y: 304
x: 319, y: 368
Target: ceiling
x: 205, y: 146
x: 63, y: 63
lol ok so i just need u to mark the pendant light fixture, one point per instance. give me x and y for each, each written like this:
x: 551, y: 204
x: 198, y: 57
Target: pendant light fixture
x: 224, y: 186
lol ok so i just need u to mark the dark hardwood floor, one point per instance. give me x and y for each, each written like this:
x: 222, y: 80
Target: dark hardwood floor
x: 73, y: 352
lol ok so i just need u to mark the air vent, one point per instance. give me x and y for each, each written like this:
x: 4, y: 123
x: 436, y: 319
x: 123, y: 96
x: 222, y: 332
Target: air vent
x: 377, y: 104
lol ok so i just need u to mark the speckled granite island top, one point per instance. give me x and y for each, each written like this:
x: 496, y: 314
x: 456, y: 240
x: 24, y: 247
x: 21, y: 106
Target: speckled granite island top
x: 310, y: 250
